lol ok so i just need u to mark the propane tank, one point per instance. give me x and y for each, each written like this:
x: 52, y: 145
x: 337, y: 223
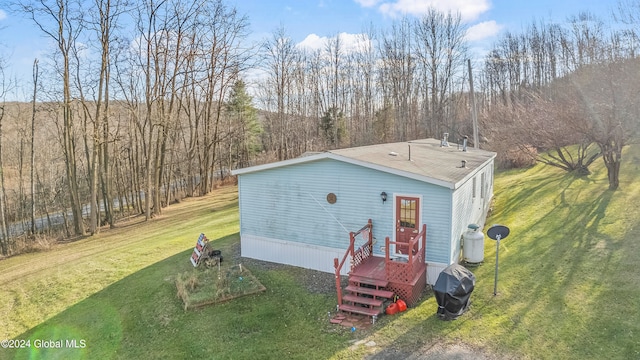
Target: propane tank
x: 473, y: 244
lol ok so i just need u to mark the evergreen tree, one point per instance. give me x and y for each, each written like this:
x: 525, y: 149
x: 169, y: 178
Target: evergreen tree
x: 244, y: 127
x: 333, y: 126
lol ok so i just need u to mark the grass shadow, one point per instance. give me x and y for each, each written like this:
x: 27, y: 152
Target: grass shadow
x: 568, y: 284
x: 141, y: 316
x: 545, y: 275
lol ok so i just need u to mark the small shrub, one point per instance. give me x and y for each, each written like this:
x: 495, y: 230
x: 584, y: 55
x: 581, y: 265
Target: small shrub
x: 192, y: 282
x: 517, y: 157
x: 31, y: 244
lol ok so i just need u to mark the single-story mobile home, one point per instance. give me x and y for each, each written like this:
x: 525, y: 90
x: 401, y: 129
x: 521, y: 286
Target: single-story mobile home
x: 300, y: 211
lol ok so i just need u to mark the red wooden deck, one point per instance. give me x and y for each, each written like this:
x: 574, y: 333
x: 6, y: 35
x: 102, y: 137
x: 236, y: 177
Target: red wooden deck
x: 371, y: 268
x: 372, y: 279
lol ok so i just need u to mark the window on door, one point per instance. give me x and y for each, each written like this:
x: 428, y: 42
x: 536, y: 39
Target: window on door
x: 408, y: 213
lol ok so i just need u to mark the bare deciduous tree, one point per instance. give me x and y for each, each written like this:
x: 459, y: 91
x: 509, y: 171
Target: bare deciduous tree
x: 62, y: 21
x: 398, y: 77
x: 33, y: 147
x: 5, y: 86
x: 281, y: 56
x: 608, y: 95
x: 442, y: 51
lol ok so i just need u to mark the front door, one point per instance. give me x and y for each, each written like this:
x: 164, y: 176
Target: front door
x: 407, y: 222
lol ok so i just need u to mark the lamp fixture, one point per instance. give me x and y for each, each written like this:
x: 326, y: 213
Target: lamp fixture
x: 383, y: 196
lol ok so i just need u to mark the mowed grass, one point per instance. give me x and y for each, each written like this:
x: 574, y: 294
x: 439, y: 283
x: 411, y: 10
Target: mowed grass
x: 37, y: 286
x: 569, y: 272
x: 569, y: 286
x: 116, y: 294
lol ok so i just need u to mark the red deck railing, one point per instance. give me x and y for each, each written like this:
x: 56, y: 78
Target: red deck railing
x: 357, y: 255
x: 405, y: 272
x: 405, y: 277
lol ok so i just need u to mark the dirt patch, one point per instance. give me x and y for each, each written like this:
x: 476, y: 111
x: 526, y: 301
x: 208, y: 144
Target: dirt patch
x: 439, y: 351
x: 316, y: 282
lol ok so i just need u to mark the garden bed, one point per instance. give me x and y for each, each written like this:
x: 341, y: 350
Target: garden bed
x: 201, y: 287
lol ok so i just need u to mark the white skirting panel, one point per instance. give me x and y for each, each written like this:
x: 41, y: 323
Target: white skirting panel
x: 308, y: 256
x: 433, y: 271
x: 292, y: 253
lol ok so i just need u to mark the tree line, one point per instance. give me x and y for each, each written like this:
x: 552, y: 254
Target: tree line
x: 141, y: 105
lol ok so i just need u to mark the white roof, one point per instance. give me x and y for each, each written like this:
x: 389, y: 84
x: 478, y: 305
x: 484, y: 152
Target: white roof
x: 429, y: 162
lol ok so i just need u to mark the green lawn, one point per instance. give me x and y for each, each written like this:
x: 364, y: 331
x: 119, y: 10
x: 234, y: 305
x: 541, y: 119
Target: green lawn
x: 116, y: 294
x: 569, y: 286
x: 569, y: 279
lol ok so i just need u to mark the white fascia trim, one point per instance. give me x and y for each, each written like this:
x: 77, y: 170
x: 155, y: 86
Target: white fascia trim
x: 389, y: 170
x: 273, y: 165
x: 473, y: 173
x: 328, y: 155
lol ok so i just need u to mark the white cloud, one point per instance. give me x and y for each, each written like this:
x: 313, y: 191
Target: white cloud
x: 350, y: 43
x: 356, y: 42
x: 483, y: 30
x: 3, y: 15
x: 469, y: 9
x: 313, y: 42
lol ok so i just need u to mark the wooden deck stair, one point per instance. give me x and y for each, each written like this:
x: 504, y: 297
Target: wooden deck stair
x: 365, y: 296
x: 374, y: 279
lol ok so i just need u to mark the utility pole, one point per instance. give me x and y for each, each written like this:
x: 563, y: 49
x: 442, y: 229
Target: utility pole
x: 474, y: 115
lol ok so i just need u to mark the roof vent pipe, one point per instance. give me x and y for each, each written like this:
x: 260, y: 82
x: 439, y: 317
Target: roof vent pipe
x: 464, y: 143
x: 409, y: 152
x: 464, y: 164
x: 445, y: 142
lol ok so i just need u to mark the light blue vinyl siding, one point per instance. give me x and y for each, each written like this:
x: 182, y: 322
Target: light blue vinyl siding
x: 289, y: 203
x: 470, y: 207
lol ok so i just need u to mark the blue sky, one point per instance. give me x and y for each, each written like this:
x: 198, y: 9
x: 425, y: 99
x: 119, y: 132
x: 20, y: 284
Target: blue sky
x: 312, y: 21
x: 329, y: 17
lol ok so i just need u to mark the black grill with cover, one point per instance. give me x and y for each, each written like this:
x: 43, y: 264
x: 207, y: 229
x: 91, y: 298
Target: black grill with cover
x: 453, y: 291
